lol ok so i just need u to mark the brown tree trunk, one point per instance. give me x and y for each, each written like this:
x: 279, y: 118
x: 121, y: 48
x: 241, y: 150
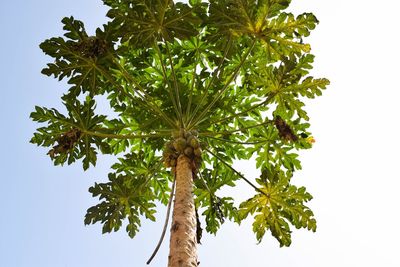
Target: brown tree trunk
x: 183, y: 250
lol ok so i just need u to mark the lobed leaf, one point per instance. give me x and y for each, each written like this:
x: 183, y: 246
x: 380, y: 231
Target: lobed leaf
x: 278, y: 204
x: 123, y: 197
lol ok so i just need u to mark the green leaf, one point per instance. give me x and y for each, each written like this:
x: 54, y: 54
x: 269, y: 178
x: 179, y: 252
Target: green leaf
x: 143, y: 22
x: 278, y: 204
x: 80, y: 58
x: 68, y: 134
x: 216, y: 209
x: 280, y: 32
x: 75, y: 29
x: 124, y: 196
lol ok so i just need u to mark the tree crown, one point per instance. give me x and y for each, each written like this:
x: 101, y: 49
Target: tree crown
x: 216, y: 81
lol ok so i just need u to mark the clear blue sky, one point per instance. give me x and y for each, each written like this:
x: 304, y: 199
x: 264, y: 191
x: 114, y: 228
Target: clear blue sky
x: 352, y: 171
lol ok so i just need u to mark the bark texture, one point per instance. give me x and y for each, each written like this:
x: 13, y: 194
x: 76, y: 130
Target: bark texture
x: 183, y: 250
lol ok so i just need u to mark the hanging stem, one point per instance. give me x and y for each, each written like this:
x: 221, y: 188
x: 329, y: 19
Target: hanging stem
x: 165, y: 223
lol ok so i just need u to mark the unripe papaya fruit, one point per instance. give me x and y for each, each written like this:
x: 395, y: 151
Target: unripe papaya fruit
x: 197, y: 152
x: 188, y: 151
x: 176, y: 134
x: 193, y: 142
x: 180, y: 144
x: 169, y: 145
x: 188, y: 135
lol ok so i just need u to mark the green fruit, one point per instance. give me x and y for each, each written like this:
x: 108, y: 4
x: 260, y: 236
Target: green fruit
x: 193, y: 142
x: 169, y: 145
x: 169, y: 150
x: 176, y: 134
x: 188, y: 151
x: 188, y: 135
x: 180, y: 144
x: 197, y: 152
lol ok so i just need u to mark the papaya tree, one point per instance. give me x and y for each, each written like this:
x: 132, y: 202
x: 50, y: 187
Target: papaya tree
x: 191, y: 87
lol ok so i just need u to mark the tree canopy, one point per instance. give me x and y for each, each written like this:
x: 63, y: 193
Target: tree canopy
x: 228, y: 76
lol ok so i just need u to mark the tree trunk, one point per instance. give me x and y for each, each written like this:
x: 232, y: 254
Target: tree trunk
x: 183, y: 250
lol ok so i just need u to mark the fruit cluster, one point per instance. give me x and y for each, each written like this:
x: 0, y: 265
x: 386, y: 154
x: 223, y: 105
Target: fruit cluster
x: 65, y: 142
x: 285, y: 132
x: 91, y: 47
x: 182, y: 142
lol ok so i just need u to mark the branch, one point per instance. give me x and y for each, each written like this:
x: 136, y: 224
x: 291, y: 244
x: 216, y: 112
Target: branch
x: 234, y: 131
x: 226, y: 86
x: 269, y: 97
x: 238, y: 173
x: 235, y: 142
x: 178, y: 101
x: 219, y: 68
x: 118, y: 136
x: 165, y: 223
x: 189, y: 105
x: 145, y: 96
x: 164, y: 71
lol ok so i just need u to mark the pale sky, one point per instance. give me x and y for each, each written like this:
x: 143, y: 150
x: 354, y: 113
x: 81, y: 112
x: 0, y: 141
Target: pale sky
x: 351, y: 171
